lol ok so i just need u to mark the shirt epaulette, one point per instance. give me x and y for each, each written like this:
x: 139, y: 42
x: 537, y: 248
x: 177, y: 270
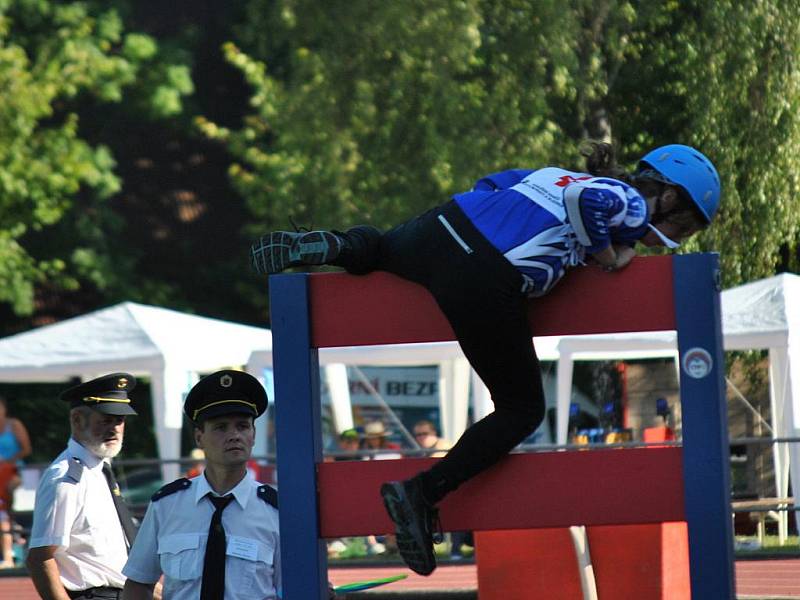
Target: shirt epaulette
x: 75, y: 469
x: 171, y: 488
x: 269, y: 495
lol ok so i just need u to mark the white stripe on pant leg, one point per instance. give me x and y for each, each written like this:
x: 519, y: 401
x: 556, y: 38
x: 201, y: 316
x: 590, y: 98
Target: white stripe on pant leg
x: 455, y: 235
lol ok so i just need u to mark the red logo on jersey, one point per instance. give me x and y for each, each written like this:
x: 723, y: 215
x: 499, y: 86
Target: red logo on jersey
x: 567, y: 179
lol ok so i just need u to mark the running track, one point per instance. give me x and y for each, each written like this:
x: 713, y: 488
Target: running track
x: 754, y: 579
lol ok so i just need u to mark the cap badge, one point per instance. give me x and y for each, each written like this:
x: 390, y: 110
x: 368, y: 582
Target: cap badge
x: 122, y: 382
x: 226, y: 381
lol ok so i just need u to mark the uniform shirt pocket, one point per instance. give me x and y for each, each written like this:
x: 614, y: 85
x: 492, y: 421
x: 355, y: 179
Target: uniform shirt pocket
x: 181, y: 556
x: 250, y: 562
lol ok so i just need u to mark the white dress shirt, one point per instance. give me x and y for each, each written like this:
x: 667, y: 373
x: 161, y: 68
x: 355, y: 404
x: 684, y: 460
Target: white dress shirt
x: 172, y: 540
x: 74, y: 510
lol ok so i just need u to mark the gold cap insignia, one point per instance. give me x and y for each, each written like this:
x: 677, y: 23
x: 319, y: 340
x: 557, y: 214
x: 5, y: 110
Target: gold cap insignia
x: 122, y: 382
x: 226, y: 381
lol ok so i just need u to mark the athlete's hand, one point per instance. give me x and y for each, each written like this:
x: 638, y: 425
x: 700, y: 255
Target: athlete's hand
x: 614, y: 257
x: 625, y: 255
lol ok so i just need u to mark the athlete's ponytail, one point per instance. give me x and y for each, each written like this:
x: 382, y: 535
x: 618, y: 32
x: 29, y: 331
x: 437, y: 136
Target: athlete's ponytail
x: 601, y: 160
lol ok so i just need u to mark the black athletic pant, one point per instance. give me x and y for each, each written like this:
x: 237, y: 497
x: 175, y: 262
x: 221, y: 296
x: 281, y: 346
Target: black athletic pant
x: 479, y: 292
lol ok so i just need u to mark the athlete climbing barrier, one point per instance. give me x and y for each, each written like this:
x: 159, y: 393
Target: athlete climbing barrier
x: 319, y: 500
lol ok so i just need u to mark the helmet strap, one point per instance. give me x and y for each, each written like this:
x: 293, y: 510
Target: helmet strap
x: 671, y: 244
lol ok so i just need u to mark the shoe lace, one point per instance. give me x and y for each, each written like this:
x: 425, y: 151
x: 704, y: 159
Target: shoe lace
x: 435, y: 525
x: 300, y: 229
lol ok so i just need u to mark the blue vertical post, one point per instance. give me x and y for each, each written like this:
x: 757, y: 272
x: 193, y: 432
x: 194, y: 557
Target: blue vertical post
x: 706, y: 455
x: 304, y: 561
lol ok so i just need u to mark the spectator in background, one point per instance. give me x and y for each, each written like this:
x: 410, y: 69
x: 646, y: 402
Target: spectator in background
x: 15, y: 444
x: 349, y: 444
x: 428, y: 439
x: 376, y: 437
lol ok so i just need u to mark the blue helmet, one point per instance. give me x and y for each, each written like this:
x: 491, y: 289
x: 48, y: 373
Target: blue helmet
x: 690, y: 170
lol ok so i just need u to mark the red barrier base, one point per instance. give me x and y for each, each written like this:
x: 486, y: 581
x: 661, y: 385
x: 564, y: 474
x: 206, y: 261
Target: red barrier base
x: 532, y: 564
x: 641, y: 561
x: 629, y: 562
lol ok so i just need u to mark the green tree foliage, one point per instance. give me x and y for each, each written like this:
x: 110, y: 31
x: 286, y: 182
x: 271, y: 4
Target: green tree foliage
x: 745, y: 94
x: 365, y: 111
x: 54, y: 58
x: 724, y: 76
x: 360, y: 111
x: 379, y: 110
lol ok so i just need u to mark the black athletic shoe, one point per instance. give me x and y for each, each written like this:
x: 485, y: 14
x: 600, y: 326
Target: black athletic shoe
x: 279, y: 250
x: 414, y: 521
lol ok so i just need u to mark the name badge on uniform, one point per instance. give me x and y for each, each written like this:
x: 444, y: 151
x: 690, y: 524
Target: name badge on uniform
x: 242, y: 547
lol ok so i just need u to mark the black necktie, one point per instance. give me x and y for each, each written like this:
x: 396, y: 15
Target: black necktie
x: 213, y: 586
x: 123, y: 513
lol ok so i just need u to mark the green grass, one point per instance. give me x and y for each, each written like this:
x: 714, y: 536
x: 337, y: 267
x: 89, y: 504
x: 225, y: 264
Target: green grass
x: 356, y: 548
x: 771, y: 545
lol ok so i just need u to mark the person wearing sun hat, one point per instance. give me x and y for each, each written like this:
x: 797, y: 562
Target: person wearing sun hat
x: 376, y: 437
x: 81, y: 527
x: 215, y: 535
x: 376, y: 429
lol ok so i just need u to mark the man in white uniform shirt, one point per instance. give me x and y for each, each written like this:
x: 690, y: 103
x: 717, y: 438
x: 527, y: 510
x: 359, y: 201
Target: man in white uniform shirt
x: 214, y: 536
x: 81, y: 528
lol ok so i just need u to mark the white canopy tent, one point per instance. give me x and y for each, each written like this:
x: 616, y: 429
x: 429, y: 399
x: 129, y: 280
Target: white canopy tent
x: 168, y: 347
x: 765, y: 314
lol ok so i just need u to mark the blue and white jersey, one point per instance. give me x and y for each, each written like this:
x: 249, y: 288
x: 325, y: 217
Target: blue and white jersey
x: 545, y: 221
